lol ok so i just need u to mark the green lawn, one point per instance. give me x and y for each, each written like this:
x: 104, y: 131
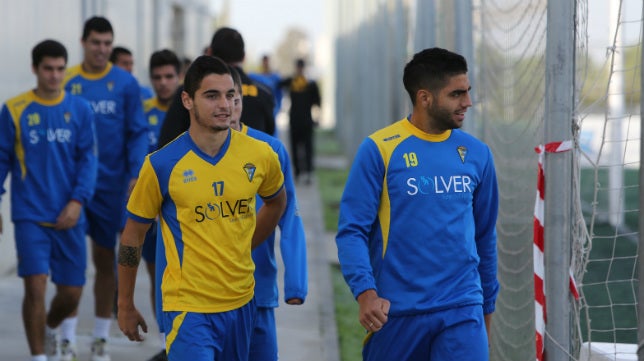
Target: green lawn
x: 331, y: 182
x: 609, y: 284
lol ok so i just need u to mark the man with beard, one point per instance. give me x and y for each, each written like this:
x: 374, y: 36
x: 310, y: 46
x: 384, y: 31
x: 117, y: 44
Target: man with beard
x: 416, y: 235
x: 202, y: 186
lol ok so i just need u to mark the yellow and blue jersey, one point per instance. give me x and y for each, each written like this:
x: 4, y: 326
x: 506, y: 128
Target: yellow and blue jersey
x: 206, y: 208
x: 114, y: 96
x: 417, y: 220
x: 154, y: 115
x: 292, y: 240
x: 49, y: 146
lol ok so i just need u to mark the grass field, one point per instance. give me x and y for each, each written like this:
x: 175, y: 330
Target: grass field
x: 609, y: 284
x: 331, y: 182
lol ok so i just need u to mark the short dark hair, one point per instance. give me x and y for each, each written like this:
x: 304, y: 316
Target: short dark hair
x: 50, y: 48
x: 236, y: 79
x: 98, y: 24
x: 201, y: 67
x: 164, y: 57
x: 228, y: 44
x: 430, y: 69
x: 117, y: 51
x: 300, y: 63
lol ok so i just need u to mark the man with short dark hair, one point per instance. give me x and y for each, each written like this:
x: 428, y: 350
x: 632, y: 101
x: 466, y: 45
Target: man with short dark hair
x: 123, y: 58
x: 114, y: 96
x: 228, y: 45
x: 416, y: 235
x: 202, y: 186
x: 48, y: 143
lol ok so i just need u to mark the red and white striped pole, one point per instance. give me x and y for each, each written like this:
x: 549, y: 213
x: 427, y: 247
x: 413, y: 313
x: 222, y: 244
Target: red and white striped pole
x: 538, y: 248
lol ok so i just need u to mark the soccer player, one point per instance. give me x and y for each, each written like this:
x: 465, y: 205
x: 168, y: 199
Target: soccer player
x: 48, y: 143
x: 164, y: 76
x: 228, y: 45
x: 123, y: 58
x: 416, y: 236
x: 122, y: 144
x: 304, y: 95
x: 270, y: 79
x: 263, y: 346
x: 202, y: 186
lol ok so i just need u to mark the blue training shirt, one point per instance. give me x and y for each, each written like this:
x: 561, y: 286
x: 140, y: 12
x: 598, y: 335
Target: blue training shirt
x: 49, y: 146
x: 115, y: 98
x: 292, y: 240
x: 417, y: 220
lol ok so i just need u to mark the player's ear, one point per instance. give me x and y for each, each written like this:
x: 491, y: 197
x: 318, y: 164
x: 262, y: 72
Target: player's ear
x: 186, y: 100
x: 424, y: 97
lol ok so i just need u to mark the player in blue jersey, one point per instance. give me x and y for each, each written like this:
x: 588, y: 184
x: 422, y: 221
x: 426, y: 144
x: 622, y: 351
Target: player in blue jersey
x: 48, y: 143
x: 416, y: 236
x: 164, y: 76
x: 271, y: 80
x: 123, y: 58
x: 122, y: 144
x: 202, y: 186
x: 263, y: 346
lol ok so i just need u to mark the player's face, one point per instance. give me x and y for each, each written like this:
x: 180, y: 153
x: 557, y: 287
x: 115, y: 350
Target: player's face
x: 235, y: 121
x: 447, y: 111
x: 125, y: 62
x: 97, y: 48
x: 165, y: 82
x: 212, y: 106
x: 50, y: 74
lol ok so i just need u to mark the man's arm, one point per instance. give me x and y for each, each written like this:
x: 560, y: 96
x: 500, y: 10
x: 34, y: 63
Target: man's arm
x: 129, y: 256
x: 268, y: 216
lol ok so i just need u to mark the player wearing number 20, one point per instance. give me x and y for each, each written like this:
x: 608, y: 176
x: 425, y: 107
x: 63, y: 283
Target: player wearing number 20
x: 416, y: 237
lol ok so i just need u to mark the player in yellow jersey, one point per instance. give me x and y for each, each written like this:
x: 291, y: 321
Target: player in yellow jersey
x: 202, y: 186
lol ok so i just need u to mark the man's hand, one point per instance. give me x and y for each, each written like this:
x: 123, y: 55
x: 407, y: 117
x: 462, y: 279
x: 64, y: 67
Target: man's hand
x: 294, y: 301
x: 68, y: 217
x: 129, y: 321
x: 374, y: 310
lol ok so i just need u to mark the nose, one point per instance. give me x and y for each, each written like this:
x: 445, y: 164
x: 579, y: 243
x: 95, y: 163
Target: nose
x: 467, y: 100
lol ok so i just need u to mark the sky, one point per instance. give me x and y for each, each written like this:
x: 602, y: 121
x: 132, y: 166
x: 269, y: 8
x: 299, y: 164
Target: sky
x: 263, y: 23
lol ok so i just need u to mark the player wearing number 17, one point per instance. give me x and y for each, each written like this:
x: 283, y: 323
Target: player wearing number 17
x: 202, y: 185
x: 416, y: 236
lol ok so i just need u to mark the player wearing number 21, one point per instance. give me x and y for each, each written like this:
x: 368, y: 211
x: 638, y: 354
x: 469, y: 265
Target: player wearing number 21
x: 416, y: 236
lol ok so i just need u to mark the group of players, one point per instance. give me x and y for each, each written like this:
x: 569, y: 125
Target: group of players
x: 416, y: 235
x: 75, y: 145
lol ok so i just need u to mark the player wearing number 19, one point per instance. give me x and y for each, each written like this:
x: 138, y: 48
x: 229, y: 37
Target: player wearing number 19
x: 202, y: 185
x: 416, y: 236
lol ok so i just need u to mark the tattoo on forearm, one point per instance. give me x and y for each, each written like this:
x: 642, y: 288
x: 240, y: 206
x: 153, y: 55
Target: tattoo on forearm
x: 129, y: 256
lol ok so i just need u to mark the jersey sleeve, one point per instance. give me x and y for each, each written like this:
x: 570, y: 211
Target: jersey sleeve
x: 274, y: 180
x: 292, y: 236
x: 87, y: 155
x: 7, y: 140
x: 136, y: 128
x: 145, y: 201
x: 358, y: 212
x: 485, y: 204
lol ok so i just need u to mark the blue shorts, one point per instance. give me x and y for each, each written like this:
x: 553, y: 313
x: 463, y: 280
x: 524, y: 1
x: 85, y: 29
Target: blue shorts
x: 149, y: 251
x: 263, y: 341
x: 41, y: 249
x: 105, y: 215
x: 454, y: 334
x: 210, y: 336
